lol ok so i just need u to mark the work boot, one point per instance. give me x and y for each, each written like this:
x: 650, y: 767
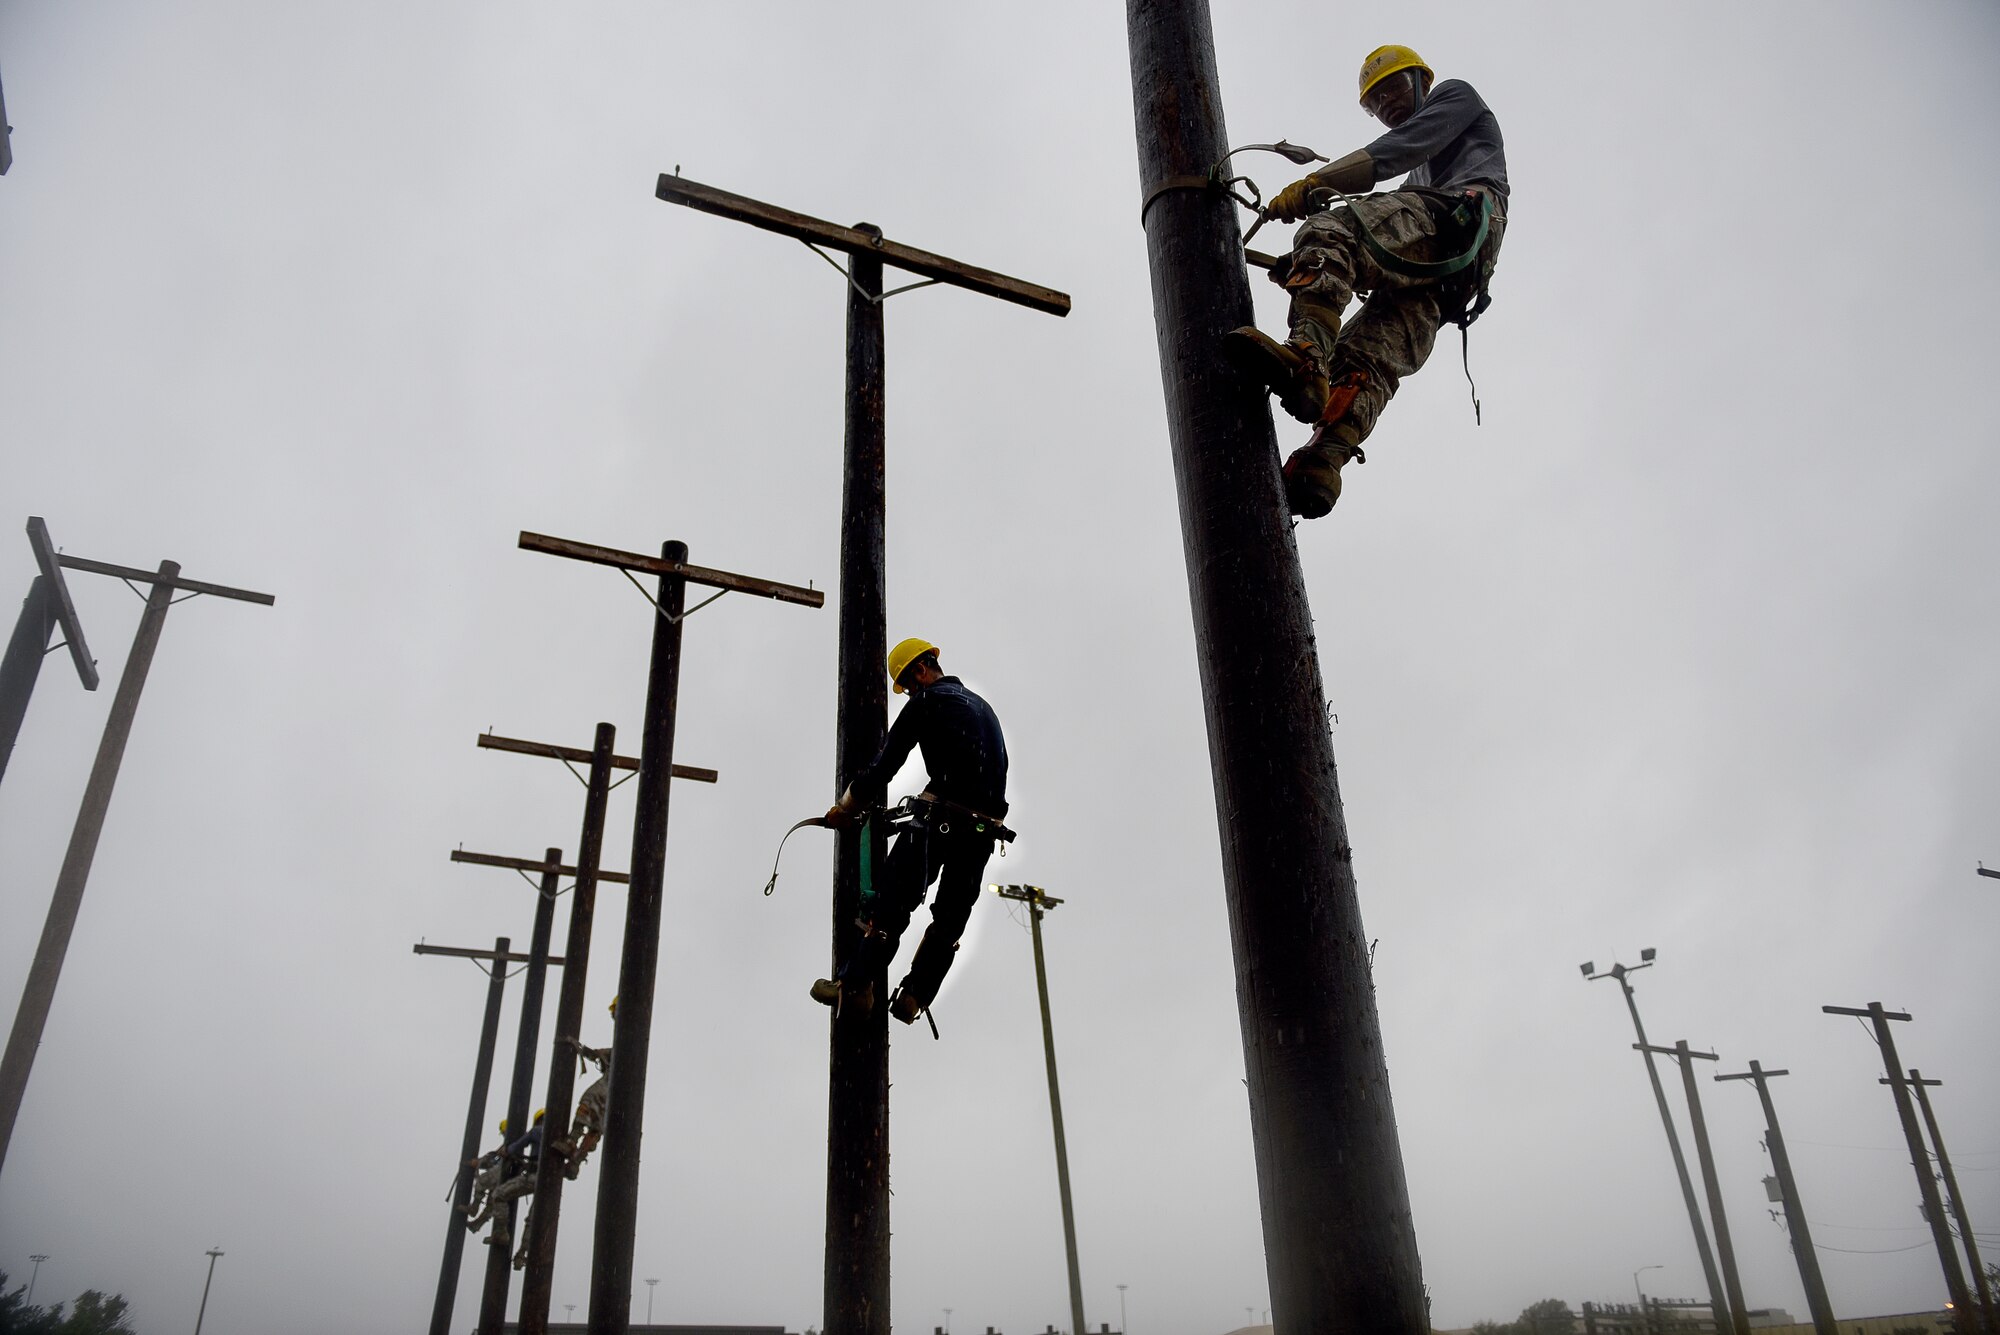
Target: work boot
x: 1289, y: 370
x: 1312, y: 477
x: 826, y: 991
x: 498, y: 1239
x: 905, y: 1006
x: 833, y: 992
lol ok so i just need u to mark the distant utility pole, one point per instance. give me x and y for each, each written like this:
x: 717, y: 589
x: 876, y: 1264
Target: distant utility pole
x: 6, y: 137
x: 1918, y: 1084
x: 857, y: 1197
x: 1954, y: 1278
x: 39, y: 994
x: 1622, y: 972
x: 1795, y: 1210
x: 46, y: 607
x: 1038, y: 903
x: 214, y: 1254
x: 482, y: 1077
x: 499, y: 1267
x: 545, y: 1216
x: 1339, y: 1243
x: 1739, y: 1314
x: 631, y: 1034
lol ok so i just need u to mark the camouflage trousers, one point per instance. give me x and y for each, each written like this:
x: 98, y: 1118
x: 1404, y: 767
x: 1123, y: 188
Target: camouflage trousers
x: 1392, y: 334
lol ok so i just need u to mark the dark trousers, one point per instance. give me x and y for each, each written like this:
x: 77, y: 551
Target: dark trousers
x: 957, y: 862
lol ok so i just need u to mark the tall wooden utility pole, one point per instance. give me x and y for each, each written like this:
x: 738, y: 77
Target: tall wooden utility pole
x: 1795, y: 1210
x: 482, y: 1077
x: 1718, y: 1299
x: 857, y: 1150
x: 39, y: 993
x: 1038, y: 904
x: 1725, y: 1251
x: 545, y: 1215
x: 47, y: 606
x: 1954, y: 1277
x: 631, y: 1033
x: 1340, y: 1247
x: 1918, y: 1086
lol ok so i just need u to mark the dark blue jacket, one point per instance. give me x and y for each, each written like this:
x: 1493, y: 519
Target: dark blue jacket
x: 960, y: 737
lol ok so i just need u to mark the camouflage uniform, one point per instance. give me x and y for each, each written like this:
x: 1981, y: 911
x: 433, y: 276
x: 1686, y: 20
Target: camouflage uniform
x: 1391, y: 336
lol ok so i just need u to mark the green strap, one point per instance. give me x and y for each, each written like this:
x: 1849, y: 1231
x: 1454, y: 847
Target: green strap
x: 867, y: 865
x: 1396, y: 264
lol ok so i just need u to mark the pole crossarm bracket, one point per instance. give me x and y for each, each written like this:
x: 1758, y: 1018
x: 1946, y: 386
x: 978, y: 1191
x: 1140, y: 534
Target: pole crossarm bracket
x: 1027, y: 894
x: 154, y: 577
x: 467, y: 953
x: 852, y: 241
x: 50, y: 563
x: 1864, y: 1012
x: 654, y: 565
x: 1674, y: 1052
x: 581, y: 756
x: 1758, y: 1074
x: 531, y: 864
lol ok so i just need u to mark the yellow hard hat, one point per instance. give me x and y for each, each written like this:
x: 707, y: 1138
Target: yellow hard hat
x: 540, y: 1113
x: 503, y: 1126
x: 1386, y: 60
x: 614, y: 1007
x: 905, y: 653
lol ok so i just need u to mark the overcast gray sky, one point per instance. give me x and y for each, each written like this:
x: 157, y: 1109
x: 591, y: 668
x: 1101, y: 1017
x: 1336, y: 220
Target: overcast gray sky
x: 1691, y: 645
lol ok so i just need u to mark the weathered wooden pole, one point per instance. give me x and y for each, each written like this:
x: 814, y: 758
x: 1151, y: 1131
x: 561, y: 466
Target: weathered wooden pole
x: 856, y: 1276
x: 1956, y: 1289
x: 47, y: 606
x: 461, y: 1195
x: 538, y: 1285
x: 1725, y: 1251
x: 1958, y: 1210
x: 521, y: 1089
x: 1340, y: 1246
x: 1824, y: 1322
x: 632, y: 1030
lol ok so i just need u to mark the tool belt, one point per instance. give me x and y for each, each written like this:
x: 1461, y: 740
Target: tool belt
x: 941, y: 815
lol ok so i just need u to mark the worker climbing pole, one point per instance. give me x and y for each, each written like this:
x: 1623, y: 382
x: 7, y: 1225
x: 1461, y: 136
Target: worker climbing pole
x: 1423, y: 254
x: 1340, y: 1247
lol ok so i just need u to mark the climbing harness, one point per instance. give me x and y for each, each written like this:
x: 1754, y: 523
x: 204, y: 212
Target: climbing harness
x: 1471, y: 213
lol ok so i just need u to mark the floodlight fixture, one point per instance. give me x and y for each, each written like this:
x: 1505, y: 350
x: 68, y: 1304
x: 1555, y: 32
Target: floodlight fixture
x: 1588, y: 967
x: 1647, y: 954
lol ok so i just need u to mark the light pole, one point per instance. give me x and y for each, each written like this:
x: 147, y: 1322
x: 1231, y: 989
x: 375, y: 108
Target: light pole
x: 1039, y: 903
x: 1635, y: 1283
x: 213, y: 1254
x: 1717, y: 1299
x: 570, y: 1309
x: 1121, y: 1310
x: 947, y: 1321
x: 650, y: 1284
x: 37, y: 1258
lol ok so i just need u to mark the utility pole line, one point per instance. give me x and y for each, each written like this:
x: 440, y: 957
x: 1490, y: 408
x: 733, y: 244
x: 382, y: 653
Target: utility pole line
x: 856, y: 1283
x: 482, y: 1075
x: 1340, y: 1245
x: 545, y: 1216
x: 1739, y: 1314
x: 39, y: 994
x: 1039, y: 903
x: 214, y: 1254
x: 1958, y: 1211
x: 499, y: 1265
x: 1718, y: 1300
x: 1795, y: 1211
x: 631, y: 1034
x: 1954, y: 1278
x: 46, y: 607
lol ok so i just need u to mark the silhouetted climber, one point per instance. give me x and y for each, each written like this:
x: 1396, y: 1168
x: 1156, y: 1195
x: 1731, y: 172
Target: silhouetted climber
x: 587, y: 1127
x: 949, y: 841
x: 1423, y: 253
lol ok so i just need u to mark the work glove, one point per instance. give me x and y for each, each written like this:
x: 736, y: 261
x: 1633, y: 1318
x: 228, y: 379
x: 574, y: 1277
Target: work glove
x: 839, y: 817
x: 1351, y: 175
x: 1294, y: 201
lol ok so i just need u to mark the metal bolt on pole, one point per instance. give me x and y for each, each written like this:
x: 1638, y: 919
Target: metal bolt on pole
x: 1717, y: 1300
x: 214, y: 1253
x: 1038, y: 903
x: 1795, y: 1211
x: 1340, y: 1244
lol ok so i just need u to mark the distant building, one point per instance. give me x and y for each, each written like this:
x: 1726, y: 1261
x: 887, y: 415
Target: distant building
x: 644, y: 1328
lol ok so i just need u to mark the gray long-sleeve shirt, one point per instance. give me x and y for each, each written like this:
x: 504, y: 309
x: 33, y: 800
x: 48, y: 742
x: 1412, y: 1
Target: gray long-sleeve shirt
x: 1452, y: 141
